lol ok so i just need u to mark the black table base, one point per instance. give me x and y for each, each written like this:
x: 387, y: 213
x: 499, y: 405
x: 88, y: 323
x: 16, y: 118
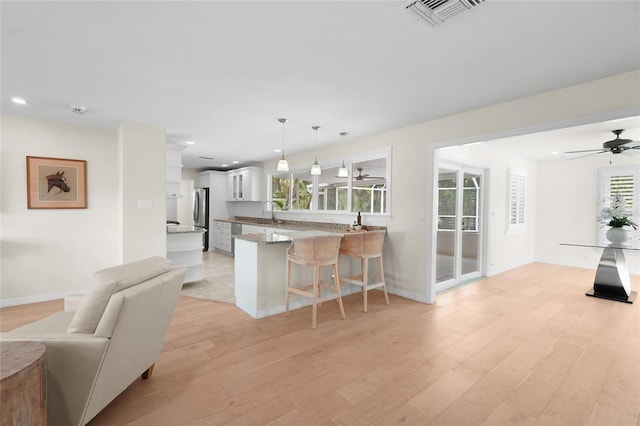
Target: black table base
x: 612, y: 279
x: 625, y: 299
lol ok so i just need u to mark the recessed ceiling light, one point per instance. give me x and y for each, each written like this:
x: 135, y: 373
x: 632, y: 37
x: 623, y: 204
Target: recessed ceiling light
x: 235, y: 162
x: 277, y: 150
x: 19, y: 101
x: 224, y: 165
x: 190, y: 142
x: 555, y: 152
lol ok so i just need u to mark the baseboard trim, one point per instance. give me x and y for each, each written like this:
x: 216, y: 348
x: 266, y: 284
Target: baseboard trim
x: 5, y: 303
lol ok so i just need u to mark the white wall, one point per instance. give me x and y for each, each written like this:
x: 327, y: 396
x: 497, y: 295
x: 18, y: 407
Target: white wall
x: 47, y: 253
x: 142, y: 164
x: 567, y: 212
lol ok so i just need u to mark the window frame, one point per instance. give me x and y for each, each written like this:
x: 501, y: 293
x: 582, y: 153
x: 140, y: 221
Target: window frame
x: 349, y: 161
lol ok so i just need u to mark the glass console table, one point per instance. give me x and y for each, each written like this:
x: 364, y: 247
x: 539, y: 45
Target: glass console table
x: 612, y: 279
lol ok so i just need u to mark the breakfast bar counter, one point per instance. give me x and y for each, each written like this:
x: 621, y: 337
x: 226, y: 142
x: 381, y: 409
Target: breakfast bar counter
x: 260, y: 272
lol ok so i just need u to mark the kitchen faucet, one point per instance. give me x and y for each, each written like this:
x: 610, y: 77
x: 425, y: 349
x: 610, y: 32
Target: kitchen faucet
x: 263, y: 204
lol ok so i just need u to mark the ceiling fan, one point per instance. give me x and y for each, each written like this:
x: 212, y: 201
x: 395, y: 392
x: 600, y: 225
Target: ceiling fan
x: 614, y: 146
x: 364, y: 176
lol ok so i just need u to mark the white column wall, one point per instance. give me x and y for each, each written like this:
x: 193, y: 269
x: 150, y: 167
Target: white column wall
x: 143, y: 172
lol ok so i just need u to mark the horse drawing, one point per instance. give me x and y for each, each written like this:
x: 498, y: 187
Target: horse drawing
x: 58, y: 180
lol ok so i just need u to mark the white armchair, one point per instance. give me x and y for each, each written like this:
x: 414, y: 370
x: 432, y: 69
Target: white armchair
x: 114, y: 336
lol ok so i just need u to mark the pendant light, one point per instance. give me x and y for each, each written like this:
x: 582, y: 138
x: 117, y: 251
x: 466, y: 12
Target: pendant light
x: 315, y: 168
x: 283, y: 164
x: 343, y: 172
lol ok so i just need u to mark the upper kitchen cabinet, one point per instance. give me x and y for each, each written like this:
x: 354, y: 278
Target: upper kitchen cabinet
x: 244, y: 184
x: 174, y: 160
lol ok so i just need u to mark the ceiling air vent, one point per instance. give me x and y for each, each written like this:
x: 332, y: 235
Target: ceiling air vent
x: 437, y: 12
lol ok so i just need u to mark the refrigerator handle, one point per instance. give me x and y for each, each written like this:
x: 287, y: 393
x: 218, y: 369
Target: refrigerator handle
x: 196, y: 208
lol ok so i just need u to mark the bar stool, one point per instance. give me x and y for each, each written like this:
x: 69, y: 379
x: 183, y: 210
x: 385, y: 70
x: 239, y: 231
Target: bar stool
x: 316, y: 251
x: 365, y: 245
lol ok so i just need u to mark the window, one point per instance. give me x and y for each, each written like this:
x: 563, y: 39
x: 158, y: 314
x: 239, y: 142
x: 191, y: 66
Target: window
x: 280, y: 194
x: 332, y: 191
x: 447, y: 201
x: 470, y: 204
x: 517, y: 192
x: 302, y: 191
x: 447, y: 193
x: 369, y: 186
x: 624, y: 181
x: 365, y: 190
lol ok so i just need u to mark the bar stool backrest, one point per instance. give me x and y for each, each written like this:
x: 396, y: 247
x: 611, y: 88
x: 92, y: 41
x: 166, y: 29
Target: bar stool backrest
x: 363, y: 244
x: 321, y: 249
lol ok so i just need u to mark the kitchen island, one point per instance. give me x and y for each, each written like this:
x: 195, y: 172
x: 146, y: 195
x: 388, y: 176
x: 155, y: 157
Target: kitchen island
x: 260, y: 272
x: 184, y: 250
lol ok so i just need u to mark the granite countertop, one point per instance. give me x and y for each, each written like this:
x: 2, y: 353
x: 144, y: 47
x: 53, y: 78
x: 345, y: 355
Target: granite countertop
x: 296, y: 224
x: 275, y: 237
x: 184, y: 229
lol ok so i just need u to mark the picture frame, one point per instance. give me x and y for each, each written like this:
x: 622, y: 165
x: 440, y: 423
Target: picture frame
x: 56, y: 183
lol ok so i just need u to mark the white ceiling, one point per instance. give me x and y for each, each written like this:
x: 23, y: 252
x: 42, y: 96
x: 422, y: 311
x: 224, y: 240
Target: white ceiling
x: 221, y: 73
x: 553, y: 145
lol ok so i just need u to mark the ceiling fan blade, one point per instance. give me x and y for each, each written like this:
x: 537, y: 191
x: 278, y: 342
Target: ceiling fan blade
x: 370, y: 178
x: 631, y: 150
x: 586, y: 155
x: 587, y: 150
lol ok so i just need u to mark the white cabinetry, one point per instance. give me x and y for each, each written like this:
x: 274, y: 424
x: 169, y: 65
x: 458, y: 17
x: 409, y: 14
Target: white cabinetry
x: 174, y: 159
x: 260, y: 229
x: 222, y: 236
x: 244, y: 184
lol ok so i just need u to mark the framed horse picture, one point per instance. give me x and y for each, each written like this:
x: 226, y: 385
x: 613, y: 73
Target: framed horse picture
x: 56, y: 183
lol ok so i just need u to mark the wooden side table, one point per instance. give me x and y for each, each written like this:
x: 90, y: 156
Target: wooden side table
x: 23, y: 385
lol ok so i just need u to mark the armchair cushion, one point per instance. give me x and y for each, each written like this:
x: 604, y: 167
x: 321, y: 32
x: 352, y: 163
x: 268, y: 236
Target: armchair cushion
x: 108, y: 281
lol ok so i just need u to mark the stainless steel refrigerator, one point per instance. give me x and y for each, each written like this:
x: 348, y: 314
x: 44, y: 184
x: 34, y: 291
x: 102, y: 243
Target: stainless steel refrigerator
x: 201, y: 214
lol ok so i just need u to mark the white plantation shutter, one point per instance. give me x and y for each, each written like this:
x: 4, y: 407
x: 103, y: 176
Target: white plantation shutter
x: 622, y: 185
x: 516, y: 204
x: 623, y: 180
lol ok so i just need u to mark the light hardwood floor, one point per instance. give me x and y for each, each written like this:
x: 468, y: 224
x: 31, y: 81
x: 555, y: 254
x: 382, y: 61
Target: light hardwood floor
x: 526, y: 347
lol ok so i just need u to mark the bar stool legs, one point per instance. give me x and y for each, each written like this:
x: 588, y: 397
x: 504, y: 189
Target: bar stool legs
x: 366, y: 285
x: 365, y: 246
x: 318, y: 252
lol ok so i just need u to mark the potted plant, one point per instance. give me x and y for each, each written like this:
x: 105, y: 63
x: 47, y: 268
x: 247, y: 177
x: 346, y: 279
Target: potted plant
x: 616, y: 217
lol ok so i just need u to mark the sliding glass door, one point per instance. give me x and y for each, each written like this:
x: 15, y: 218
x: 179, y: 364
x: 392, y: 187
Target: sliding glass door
x: 459, y: 227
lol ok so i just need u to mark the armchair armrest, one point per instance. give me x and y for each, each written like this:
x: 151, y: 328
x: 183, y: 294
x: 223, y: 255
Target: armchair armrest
x: 73, y: 362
